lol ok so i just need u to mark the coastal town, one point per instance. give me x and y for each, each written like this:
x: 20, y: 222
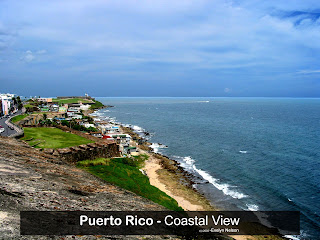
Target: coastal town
x: 72, y: 111
x: 67, y: 133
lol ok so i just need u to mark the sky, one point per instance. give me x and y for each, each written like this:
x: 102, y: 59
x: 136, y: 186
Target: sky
x: 209, y: 48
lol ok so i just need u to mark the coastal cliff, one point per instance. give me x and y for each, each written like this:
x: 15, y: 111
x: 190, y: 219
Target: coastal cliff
x: 33, y: 180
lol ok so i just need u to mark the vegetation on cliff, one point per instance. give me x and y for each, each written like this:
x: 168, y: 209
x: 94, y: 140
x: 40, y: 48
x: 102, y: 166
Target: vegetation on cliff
x: 96, y: 105
x: 125, y: 173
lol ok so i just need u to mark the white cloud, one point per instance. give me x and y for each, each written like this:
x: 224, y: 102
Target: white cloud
x: 227, y: 90
x: 308, y: 71
x: 28, y: 56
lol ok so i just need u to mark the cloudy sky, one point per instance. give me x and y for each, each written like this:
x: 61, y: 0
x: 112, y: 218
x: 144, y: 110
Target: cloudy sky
x: 160, y: 48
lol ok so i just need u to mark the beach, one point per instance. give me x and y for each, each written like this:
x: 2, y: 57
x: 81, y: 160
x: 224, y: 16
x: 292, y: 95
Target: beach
x: 169, y: 183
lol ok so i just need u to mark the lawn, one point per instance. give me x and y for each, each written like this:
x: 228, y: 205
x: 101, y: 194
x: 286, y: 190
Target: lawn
x: 70, y: 100
x: 125, y: 173
x: 52, y: 138
x: 19, y: 117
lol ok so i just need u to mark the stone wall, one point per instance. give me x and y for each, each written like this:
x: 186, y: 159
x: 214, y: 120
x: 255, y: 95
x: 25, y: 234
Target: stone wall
x: 88, y: 151
x: 18, y: 130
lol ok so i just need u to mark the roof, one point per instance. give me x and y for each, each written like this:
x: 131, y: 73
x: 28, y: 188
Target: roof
x: 114, y: 136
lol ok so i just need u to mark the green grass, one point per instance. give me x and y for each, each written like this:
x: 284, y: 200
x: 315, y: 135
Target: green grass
x: 125, y: 173
x: 28, y: 106
x: 53, y: 138
x: 96, y: 105
x: 70, y: 100
x: 97, y: 161
x: 19, y: 117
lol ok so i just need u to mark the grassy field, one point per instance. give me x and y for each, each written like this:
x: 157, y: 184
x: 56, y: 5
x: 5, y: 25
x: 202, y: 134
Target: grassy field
x: 70, y: 100
x: 125, y: 173
x: 19, y: 117
x: 52, y: 138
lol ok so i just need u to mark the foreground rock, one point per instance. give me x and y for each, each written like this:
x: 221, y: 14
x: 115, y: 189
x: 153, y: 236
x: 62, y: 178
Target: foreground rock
x: 34, y: 180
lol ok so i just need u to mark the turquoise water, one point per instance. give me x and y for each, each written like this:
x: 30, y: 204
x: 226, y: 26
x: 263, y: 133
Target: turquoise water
x: 247, y: 153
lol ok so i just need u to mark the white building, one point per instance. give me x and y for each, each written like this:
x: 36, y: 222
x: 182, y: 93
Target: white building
x: 76, y: 116
x: 7, y: 95
x: 87, y: 125
x: 108, y: 128
x: 6, y: 99
x: 85, y: 107
x: 5, y: 106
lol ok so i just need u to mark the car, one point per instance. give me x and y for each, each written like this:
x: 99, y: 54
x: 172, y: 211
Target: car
x: 11, y: 127
x: 1, y: 129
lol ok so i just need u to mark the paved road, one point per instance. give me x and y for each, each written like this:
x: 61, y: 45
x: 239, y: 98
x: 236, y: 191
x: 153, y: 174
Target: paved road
x: 7, y: 130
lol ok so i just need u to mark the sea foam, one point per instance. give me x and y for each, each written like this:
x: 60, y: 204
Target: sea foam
x: 188, y: 164
x: 157, y: 146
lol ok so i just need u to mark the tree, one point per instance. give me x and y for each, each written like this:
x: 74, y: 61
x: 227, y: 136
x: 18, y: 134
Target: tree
x: 44, y: 116
x: 14, y: 101
x: 20, y: 106
x: 91, y: 129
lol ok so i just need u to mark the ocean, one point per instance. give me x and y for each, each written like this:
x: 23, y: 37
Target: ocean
x: 245, y: 153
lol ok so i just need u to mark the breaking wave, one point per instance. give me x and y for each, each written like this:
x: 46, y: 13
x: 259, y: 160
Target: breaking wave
x: 157, y: 146
x: 188, y: 164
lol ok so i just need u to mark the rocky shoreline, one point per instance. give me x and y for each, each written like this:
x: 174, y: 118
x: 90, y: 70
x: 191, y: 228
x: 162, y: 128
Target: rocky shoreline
x: 179, y: 177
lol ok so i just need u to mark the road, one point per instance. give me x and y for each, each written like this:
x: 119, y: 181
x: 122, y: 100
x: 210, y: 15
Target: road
x: 7, y: 131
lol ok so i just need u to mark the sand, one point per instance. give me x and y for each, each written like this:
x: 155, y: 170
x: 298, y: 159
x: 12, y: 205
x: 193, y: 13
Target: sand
x: 152, y: 166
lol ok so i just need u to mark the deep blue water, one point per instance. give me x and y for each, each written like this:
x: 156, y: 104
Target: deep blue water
x: 250, y: 153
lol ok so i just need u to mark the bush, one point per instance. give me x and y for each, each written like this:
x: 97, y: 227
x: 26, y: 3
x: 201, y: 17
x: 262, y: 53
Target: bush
x: 65, y: 123
x: 91, y: 129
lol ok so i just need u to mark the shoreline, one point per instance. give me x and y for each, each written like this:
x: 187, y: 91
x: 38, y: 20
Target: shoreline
x: 171, y: 183
x: 167, y: 175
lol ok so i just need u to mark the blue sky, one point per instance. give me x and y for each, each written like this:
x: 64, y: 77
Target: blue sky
x: 160, y: 48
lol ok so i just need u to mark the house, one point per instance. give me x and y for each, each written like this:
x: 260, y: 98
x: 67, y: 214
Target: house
x: 54, y: 108
x: 62, y: 109
x: 109, y: 128
x: 123, y: 139
x: 96, y: 134
x: 85, y: 107
x: 129, y: 150
x: 74, y: 109
x: 76, y: 116
x: 46, y: 100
